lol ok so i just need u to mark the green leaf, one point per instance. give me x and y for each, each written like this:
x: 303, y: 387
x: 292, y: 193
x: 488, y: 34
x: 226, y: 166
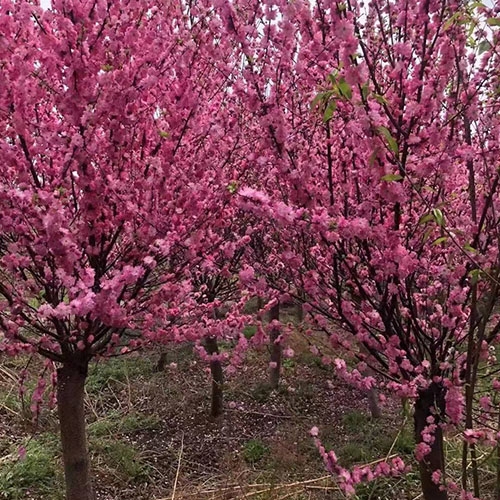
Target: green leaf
x: 345, y: 89
x: 493, y: 21
x: 475, y: 275
x: 483, y: 47
x: 232, y: 187
x: 365, y: 90
x: 164, y: 134
x: 426, y: 218
x: 392, y: 177
x: 330, y: 109
x: 380, y: 99
x: 438, y: 216
x: 391, y: 142
x: 319, y: 98
x: 428, y: 233
x: 469, y: 248
x: 439, y: 240
x: 333, y: 78
x: 449, y: 23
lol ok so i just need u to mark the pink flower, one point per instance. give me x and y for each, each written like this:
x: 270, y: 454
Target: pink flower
x: 421, y: 451
x: 436, y: 476
x: 247, y: 274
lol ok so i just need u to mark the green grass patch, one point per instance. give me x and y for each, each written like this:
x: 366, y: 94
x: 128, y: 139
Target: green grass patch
x: 122, y: 458
x: 37, y: 473
x: 369, y: 439
x: 254, y: 451
x: 249, y: 331
x: 117, y: 423
x: 119, y: 370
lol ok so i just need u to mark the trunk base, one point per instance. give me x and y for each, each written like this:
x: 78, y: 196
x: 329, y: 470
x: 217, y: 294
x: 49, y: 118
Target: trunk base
x: 217, y: 405
x: 431, y: 403
x: 70, y: 404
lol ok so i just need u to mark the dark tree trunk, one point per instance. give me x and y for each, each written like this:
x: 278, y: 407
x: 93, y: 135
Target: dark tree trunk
x: 217, y: 378
x: 162, y: 361
x: 274, y: 377
x: 300, y: 308
x: 431, y: 402
x: 373, y: 405
x: 70, y: 393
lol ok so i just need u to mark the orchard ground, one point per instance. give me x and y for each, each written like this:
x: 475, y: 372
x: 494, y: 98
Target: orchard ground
x: 150, y: 433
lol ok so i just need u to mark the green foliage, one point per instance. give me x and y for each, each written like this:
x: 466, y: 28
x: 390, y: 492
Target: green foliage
x: 35, y: 473
x: 116, y: 370
x: 261, y: 392
x: 122, y: 457
x: 371, y: 439
x: 438, y: 217
x: 254, y: 451
x: 249, y: 331
x: 353, y: 420
x: 405, y: 443
x: 392, y: 177
x: 384, y: 488
x: 391, y: 142
x: 116, y: 423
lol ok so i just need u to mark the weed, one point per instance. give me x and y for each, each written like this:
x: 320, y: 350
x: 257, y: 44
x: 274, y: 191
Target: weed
x: 116, y: 423
x: 249, y: 331
x: 254, y: 451
x: 35, y: 473
x: 353, y: 453
x: 354, y: 420
x: 122, y: 458
x: 261, y: 392
x: 116, y: 370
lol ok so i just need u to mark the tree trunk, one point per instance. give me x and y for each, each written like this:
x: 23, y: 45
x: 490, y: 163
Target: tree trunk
x: 217, y: 378
x: 300, y: 304
x: 373, y: 403
x: 431, y: 402
x: 274, y: 377
x: 70, y: 393
x: 162, y: 361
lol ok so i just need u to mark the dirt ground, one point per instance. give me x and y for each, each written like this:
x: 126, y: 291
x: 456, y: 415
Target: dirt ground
x: 151, y: 436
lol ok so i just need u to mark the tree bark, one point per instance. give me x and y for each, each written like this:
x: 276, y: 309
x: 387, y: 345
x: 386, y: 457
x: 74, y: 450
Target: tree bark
x: 431, y: 402
x: 373, y: 405
x: 217, y: 378
x: 274, y: 376
x: 300, y: 304
x: 70, y: 405
x: 162, y: 361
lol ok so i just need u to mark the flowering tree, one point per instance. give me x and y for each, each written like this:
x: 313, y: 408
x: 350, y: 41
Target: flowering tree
x: 387, y: 197
x: 116, y: 131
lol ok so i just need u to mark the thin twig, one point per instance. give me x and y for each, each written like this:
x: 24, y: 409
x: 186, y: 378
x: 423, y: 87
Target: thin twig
x: 178, y: 466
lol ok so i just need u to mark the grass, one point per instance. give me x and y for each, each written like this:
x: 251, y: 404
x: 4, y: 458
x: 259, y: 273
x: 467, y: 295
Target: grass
x: 136, y: 416
x: 36, y: 473
x: 368, y: 439
x: 117, y: 423
x: 117, y: 371
x: 121, y: 458
x: 249, y: 331
x: 254, y: 450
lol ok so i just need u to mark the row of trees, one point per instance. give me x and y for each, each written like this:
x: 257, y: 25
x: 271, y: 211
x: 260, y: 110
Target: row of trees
x: 161, y: 158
